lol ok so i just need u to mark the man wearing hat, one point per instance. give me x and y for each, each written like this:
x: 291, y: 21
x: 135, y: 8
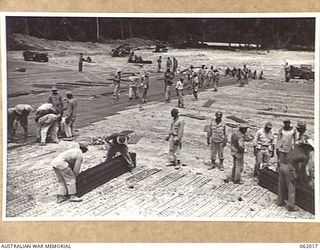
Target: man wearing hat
x: 70, y: 115
x: 209, y: 75
x: 217, y: 137
x: 56, y: 100
x: 116, y: 83
x: 289, y: 173
x: 286, y: 139
x: 145, y: 86
x: 302, y: 132
x: 175, y: 139
x: 216, y: 78
x: 263, y: 148
x: 118, y: 143
x: 179, y: 89
x: 18, y: 114
x: 237, y: 151
x: 134, y: 83
x: 67, y: 167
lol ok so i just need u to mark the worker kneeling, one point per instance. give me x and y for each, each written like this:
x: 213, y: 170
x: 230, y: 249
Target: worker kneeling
x: 67, y: 167
x: 118, y: 143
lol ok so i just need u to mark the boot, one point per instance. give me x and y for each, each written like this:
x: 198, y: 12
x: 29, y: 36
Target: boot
x: 221, y: 165
x: 74, y: 198
x: 178, y: 165
x: 212, y: 166
x: 61, y: 198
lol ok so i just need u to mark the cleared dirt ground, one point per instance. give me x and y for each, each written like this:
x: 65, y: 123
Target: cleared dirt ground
x: 152, y: 190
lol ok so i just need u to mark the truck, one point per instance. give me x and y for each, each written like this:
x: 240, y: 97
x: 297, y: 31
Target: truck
x: 35, y: 56
x: 303, y: 71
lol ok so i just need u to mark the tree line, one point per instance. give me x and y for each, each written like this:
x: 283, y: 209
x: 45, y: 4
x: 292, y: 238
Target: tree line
x: 267, y: 32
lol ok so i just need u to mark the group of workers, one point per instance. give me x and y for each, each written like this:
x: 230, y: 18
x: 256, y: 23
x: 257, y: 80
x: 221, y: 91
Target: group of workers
x: 293, y: 147
x: 53, y: 118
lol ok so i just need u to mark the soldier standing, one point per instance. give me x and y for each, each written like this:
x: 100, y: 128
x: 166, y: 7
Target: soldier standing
x: 237, y: 152
x: 201, y: 74
x: 159, y: 64
x: 67, y: 167
x: 190, y: 76
x: 195, y: 85
x: 145, y: 86
x: 70, y: 115
x: 175, y: 65
x: 175, y: 139
x: 169, y: 64
x: 263, y: 148
x: 135, y: 82
x: 81, y: 60
x: 209, y: 75
x: 286, y: 139
x: 116, y: 83
x: 168, y: 83
x: 179, y: 88
x: 56, y: 100
x: 216, y: 78
x: 217, y: 137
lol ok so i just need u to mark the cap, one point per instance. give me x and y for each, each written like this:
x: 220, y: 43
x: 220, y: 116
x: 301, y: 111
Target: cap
x: 269, y: 124
x: 68, y: 93
x: 301, y: 124
x: 28, y: 108
x: 54, y: 88
x: 21, y: 107
x: 219, y: 114
x: 118, y: 70
x: 181, y: 78
x: 286, y: 120
x: 122, y: 139
x: 83, y: 145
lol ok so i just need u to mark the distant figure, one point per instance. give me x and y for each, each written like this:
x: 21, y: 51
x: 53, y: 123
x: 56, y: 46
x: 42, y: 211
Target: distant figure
x: 18, y: 114
x: 118, y: 143
x: 145, y: 86
x: 237, y: 152
x: 116, y: 84
x: 70, y: 115
x: 81, y: 60
x: 169, y: 64
x: 134, y: 83
x: 168, y: 83
x: 195, y: 85
x: 254, y: 76
x: 175, y: 65
x: 67, y: 167
x: 227, y: 72
x: 175, y: 139
x: 190, y: 76
x: 287, y: 72
x: 261, y: 76
x: 209, y: 75
x: 131, y: 57
x: 201, y: 75
x: 179, y: 89
x: 159, y: 61
x: 216, y: 78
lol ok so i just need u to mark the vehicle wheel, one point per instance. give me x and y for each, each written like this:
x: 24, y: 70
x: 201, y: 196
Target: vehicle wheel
x: 287, y: 79
x: 306, y: 76
x: 46, y: 60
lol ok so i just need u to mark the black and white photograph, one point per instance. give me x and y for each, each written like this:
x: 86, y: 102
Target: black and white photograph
x: 160, y: 117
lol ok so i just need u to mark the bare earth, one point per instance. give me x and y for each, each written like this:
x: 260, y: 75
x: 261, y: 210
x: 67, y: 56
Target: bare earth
x: 153, y: 191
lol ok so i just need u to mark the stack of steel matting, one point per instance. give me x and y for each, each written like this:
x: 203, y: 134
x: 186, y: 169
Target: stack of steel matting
x: 304, y: 195
x: 208, y: 103
x: 102, y: 173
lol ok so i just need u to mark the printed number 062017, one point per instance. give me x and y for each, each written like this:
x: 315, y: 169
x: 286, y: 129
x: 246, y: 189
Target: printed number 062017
x: 308, y: 245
